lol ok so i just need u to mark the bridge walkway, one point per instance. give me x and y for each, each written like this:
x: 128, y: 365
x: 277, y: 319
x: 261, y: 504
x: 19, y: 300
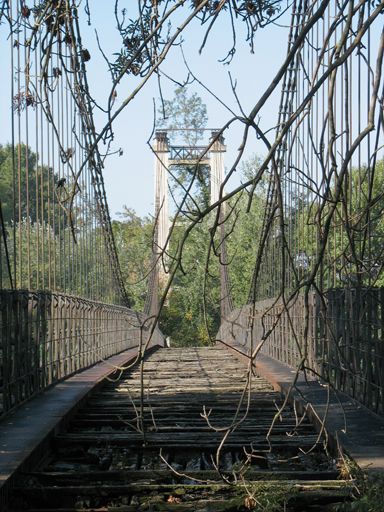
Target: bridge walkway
x: 102, y: 462
x: 353, y: 428
x: 26, y: 433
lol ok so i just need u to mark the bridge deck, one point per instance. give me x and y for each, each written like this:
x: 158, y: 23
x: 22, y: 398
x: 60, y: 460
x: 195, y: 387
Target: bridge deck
x: 102, y: 461
x: 26, y: 433
x: 363, y: 439
x: 180, y: 383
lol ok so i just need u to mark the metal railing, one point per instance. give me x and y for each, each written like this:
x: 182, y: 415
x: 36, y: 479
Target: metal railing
x: 46, y: 336
x: 344, y: 341
x: 188, y: 152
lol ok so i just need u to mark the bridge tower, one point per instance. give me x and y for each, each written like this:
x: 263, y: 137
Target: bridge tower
x: 166, y: 156
x: 216, y: 163
x: 161, y: 199
x: 217, y: 175
x: 161, y: 215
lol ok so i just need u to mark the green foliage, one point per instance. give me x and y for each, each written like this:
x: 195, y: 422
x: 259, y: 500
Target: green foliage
x: 29, y: 237
x: 200, y: 191
x: 131, y: 59
x: 21, y: 206
x: 269, y: 497
x: 366, y: 220
x: 182, y: 317
x: 242, y: 243
x: 41, y: 248
x: 28, y: 189
x: 355, y: 244
x: 13, y: 169
x: 46, y: 260
x: 367, y: 489
x: 133, y: 237
x: 185, y: 115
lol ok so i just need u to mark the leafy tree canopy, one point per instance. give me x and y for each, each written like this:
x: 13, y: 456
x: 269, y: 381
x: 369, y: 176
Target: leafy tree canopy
x: 182, y: 317
x: 185, y: 115
x: 13, y: 170
x: 133, y: 238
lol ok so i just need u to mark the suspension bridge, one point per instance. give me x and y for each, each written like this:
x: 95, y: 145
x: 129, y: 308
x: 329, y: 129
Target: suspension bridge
x: 96, y: 412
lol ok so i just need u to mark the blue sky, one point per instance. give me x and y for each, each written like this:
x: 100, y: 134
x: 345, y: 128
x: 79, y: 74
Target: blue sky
x: 129, y: 178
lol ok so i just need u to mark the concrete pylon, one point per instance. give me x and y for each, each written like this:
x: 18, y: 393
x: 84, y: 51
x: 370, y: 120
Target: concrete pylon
x: 161, y: 149
x: 217, y: 178
x: 217, y: 166
x: 185, y: 155
x: 161, y: 228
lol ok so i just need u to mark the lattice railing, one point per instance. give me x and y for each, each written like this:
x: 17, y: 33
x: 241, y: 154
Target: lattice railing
x: 344, y: 342
x: 187, y: 152
x: 46, y: 336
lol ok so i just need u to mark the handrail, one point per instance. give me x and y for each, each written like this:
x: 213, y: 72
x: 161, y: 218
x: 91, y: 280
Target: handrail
x: 344, y: 339
x: 46, y: 336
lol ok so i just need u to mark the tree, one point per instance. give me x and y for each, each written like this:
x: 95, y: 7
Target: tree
x: 356, y: 251
x: 13, y: 167
x: 245, y: 229
x: 42, y: 252
x: 186, y: 117
x: 182, y: 318
x: 133, y: 237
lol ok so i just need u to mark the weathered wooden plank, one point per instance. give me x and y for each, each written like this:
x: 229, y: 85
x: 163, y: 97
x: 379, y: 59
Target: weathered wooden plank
x: 103, y: 462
